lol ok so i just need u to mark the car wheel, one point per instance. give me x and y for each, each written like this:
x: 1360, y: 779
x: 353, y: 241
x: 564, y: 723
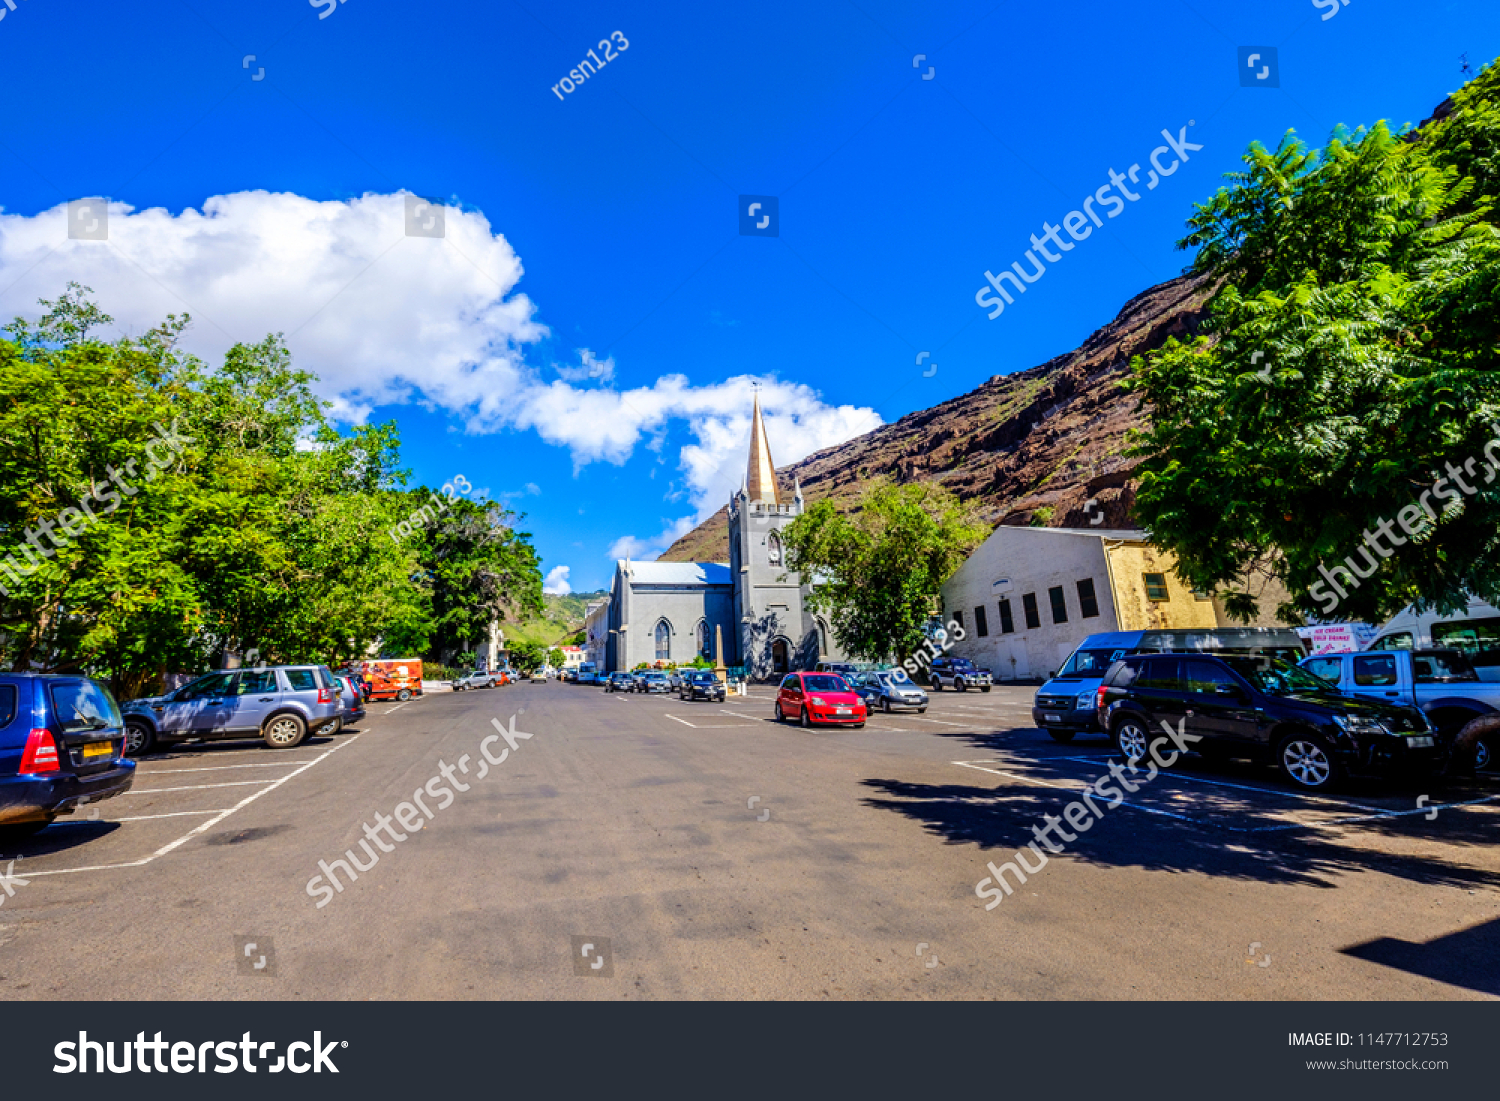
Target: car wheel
x: 806, y: 718
x: 937, y: 684
x: 921, y: 711
x: 1306, y: 760
x: 985, y: 688
x: 1483, y: 758
x: 1131, y: 740
x: 1062, y: 737
x: 140, y: 739
x: 885, y: 705
x: 404, y: 695
x: 859, y: 726
x: 328, y: 729
x: 284, y: 731
x: 961, y: 685
x: 780, y: 716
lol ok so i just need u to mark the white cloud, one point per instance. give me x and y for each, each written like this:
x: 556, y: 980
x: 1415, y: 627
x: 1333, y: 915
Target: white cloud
x: 381, y: 317
x: 556, y: 581
x: 628, y: 546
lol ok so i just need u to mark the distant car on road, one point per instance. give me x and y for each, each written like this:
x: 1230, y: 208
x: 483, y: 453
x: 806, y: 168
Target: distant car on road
x: 479, y: 678
x: 1263, y: 709
x: 888, y: 690
x: 819, y: 698
x: 700, y: 685
x: 619, y: 682
x: 653, y: 681
x: 959, y: 674
x: 62, y: 745
x: 280, y: 704
x: 1443, y: 683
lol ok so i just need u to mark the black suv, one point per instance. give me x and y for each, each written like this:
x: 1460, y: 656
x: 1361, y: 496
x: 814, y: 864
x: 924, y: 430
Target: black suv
x: 959, y: 674
x: 1264, y: 709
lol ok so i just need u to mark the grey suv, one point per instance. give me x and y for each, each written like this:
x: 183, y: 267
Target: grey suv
x: 279, y: 703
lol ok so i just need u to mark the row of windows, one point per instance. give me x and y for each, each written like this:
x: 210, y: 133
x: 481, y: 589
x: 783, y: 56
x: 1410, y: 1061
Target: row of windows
x: 663, y: 639
x: 1088, y: 608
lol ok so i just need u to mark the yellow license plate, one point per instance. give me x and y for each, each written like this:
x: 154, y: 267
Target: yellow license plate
x: 98, y: 749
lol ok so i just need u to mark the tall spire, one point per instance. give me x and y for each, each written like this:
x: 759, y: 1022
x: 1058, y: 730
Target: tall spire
x: 760, y: 477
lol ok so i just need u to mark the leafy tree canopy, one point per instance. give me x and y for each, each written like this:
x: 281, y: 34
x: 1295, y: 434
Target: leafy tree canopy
x: 1349, y: 372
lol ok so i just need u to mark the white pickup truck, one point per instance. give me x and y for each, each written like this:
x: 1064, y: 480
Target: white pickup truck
x: 1442, y: 683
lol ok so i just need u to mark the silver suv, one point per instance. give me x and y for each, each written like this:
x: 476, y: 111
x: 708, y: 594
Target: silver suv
x: 279, y: 703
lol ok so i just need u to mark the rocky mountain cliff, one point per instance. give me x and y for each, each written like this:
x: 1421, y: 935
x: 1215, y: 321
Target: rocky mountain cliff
x: 1031, y: 447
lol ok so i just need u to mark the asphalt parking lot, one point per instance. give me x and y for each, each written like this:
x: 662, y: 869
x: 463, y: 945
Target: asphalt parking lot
x: 722, y: 855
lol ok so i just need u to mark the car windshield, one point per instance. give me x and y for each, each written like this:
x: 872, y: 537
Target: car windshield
x: 825, y: 682
x: 1275, y: 677
x: 1090, y: 663
x: 961, y: 663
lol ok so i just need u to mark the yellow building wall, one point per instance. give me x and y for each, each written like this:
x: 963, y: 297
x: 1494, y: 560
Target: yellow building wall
x: 1128, y: 563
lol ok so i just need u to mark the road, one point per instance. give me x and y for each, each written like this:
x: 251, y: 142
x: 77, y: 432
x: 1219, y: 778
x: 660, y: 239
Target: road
x: 645, y: 847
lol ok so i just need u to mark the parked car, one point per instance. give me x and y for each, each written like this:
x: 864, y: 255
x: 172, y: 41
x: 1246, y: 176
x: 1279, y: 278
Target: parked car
x: 1065, y: 705
x: 819, y: 698
x: 479, y: 678
x: 351, y: 706
x: 653, y: 680
x: 279, y: 703
x: 700, y: 684
x: 62, y: 745
x: 588, y: 673
x: 1443, y: 683
x: 1267, y: 710
x: 619, y: 682
x: 958, y: 673
x: 887, y: 691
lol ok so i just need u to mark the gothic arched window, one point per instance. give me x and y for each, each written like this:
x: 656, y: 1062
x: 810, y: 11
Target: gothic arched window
x: 773, y: 549
x: 704, y: 642
x: 822, y: 637
x: 663, y: 641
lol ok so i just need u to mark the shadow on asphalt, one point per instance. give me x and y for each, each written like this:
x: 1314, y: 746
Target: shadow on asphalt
x: 1468, y: 958
x: 1211, y: 840
x: 60, y: 837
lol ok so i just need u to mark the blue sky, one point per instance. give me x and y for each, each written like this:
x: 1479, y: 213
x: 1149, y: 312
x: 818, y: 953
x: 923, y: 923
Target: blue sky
x: 606, y: 222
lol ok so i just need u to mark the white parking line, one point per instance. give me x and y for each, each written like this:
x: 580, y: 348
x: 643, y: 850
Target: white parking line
x: 684, y: 722
x: 197, y: 787
x: 195, y: 831
x: 218, y: 768
x: 737, y: 715
x: 1292, y: 794
x: 174, y: 814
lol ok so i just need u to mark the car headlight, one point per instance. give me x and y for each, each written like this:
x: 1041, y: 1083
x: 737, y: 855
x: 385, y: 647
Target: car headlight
x: 1084, y: 701
x: 819, y: 700
x: 1359, y: 724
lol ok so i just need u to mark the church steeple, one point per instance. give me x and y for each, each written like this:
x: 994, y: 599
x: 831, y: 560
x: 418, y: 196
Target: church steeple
x: 760, y: 476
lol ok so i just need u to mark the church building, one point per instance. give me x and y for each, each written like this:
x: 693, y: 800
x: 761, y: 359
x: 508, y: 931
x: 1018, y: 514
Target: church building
x: 669, y: 611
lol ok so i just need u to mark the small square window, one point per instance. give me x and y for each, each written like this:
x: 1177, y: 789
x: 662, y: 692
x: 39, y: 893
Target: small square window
x: 1156, y: 586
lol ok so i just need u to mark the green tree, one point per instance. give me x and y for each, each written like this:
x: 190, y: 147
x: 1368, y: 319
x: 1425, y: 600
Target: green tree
x: 877, y: 574
x: 1350, y: 363
x: 526, y: 656
x: 556, y: 658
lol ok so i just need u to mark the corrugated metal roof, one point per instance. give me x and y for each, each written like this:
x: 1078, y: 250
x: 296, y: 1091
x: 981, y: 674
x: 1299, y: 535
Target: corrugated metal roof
x: 677, y: 573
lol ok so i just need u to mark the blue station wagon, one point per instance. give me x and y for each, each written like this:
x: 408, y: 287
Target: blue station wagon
x: 62, y: 745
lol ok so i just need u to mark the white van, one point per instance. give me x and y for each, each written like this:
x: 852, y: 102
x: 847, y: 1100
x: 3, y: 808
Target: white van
x: 1474, y: 631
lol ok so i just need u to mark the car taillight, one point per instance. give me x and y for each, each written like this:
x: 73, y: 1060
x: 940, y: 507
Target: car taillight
x: 41, y: 753
x: 325, y: 695
x: 1099, y: 698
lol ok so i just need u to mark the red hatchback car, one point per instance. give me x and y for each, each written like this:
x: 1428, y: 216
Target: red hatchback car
x: 819, y: 698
